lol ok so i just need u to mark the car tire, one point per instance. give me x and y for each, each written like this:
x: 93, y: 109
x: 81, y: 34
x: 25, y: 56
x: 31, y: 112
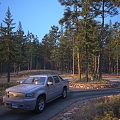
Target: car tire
x: 40, y: 105
x: 64, y: 93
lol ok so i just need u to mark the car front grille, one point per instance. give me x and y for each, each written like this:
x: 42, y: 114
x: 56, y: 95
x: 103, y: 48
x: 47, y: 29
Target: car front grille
x: 15, y: 95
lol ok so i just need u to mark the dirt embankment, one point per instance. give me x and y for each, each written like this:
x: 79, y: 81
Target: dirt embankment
x: 25, y: 73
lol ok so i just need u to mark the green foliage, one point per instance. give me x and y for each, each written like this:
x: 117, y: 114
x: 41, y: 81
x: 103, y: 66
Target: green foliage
x: 8, y: 40
x: 116, y: 2
x: 80, y: 33
x: 50, y: 47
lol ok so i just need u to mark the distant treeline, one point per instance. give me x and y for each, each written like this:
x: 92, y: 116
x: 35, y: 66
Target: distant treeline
x: 81, y: 45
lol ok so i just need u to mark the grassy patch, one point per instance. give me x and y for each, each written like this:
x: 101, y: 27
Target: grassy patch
x: 106, y: 108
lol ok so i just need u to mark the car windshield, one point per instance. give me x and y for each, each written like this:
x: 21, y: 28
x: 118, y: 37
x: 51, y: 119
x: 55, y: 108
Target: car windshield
x: 35, y: 80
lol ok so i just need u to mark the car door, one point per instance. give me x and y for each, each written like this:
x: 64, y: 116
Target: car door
x: 57, y: 86
x: 50, y: 89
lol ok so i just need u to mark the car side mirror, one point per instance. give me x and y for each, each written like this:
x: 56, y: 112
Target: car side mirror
x: 49, y: 83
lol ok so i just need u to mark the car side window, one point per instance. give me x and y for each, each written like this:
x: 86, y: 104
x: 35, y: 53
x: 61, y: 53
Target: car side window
x: 50, y: 79
x: 60, y: 78
x: 56, y: 79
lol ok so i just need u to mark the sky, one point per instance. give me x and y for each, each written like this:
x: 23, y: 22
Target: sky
x: 36, y: 16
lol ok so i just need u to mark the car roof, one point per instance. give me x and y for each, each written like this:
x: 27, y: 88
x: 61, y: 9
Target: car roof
x: 44, y: 75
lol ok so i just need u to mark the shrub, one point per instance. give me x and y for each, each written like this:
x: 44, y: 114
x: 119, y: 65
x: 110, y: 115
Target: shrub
x: 105, y: 108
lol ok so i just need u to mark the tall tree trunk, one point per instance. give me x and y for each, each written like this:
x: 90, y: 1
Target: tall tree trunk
x: 73, y: 70
x: 117, y: 65
x: 79, y: 66
x: 17, y: 68
x: 86, y: 63
x: 95, y: 67
x: 31, y: 62
x: 101, y: 40
x: 78, y: 54
x: 1, y: 69
x: 62, y: 66
x: 98, y: 65
x: 8, y: 80
x: 8, y: 77
x: 14, y: 69
x: 109, y: 64
x: 28, y: 66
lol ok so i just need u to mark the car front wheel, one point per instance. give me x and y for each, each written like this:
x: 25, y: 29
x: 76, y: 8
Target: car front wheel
x: 64, y: 93
x: 40, y: 105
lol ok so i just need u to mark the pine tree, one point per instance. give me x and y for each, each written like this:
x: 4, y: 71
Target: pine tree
x: 28, y: 50
x: 79, y: 14
x: 62, y: 52
x: 49, y: 43
x: 87, y: 36
x: 8, y: 40
x: 70, y: 19
x: 107, y: 8
x: 35, y: 52
x: 108, y: 45
x: 1, y: 48
x: 19, y: 42
x: 116, y: 43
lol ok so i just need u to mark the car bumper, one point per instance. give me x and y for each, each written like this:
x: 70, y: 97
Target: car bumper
x: 26, y: 104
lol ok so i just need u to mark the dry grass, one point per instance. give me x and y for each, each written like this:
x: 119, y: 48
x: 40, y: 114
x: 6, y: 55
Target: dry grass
x: 101, y: 108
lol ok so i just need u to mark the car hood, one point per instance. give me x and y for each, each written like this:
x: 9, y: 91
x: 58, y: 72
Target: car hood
x: 25, y: 88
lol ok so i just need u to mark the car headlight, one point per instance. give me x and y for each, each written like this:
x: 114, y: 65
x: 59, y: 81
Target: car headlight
x: 29, y: 95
